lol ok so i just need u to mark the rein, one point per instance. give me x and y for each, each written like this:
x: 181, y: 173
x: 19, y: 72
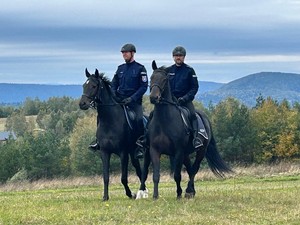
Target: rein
x: 163, y: 100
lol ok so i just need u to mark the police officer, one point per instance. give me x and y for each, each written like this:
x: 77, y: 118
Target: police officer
x: 129, y: 84
x: 184, y: 86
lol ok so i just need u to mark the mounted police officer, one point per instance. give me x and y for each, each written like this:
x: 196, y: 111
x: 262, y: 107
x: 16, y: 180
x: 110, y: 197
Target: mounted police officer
x: 129, y: 84
x: 184, y: 86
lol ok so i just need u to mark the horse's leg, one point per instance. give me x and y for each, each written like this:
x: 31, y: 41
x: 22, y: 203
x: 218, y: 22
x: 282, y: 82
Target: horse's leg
x: 105, y: 165
x: 136, y: 164
x: 155, y: 158
x: 177, y: 175
x: 190, y: 190
x: 124, y: 176
x: 143, y: 192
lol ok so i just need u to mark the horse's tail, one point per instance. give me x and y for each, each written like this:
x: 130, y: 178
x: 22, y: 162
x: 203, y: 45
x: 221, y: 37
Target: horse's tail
x: 215, y: 162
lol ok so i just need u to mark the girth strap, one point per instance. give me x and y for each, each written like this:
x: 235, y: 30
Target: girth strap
x: 129, y: 115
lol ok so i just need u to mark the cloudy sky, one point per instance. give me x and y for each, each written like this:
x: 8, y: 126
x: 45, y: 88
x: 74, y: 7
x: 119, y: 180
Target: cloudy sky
x: 54, y: 41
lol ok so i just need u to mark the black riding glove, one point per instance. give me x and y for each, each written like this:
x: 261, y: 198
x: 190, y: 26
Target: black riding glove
x: 127, y: 101
x: 182, y: 100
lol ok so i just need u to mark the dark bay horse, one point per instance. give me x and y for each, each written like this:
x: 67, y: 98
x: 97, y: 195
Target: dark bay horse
x: 114, y: 134
x: 168, y: 135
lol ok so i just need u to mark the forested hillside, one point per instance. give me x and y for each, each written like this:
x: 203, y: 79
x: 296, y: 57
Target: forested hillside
x: 278, y: 86
x: 54, y: 142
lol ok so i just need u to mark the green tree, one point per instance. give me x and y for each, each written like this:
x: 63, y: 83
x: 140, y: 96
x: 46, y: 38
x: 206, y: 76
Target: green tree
x: 17, y: 123
x: 10, y: 160
x: 234, y: 131
x: 83, y: 161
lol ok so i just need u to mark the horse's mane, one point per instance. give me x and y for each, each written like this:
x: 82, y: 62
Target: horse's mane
x: 105, y: 79
x: 162, y: 69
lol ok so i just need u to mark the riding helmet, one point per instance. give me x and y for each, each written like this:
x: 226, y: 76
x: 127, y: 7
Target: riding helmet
x: 128, y: 48
x: 179, y: 50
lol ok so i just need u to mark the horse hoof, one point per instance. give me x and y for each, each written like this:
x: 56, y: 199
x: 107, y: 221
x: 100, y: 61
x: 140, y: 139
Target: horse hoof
x: 142, y: 194
x: 189, y: 195
x: 104, y: 199
x: 133, y: 196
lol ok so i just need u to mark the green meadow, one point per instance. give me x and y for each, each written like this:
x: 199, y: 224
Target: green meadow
x: 245, y: 198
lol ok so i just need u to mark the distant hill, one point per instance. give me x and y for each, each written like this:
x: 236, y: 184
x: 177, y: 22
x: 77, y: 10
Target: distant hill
x: 276, y: 85
x: 15, y: 94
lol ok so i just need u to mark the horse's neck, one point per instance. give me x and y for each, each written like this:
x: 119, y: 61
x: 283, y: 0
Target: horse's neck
x: 108, y: 109
x: 166, y: 111
x: 167, y: 95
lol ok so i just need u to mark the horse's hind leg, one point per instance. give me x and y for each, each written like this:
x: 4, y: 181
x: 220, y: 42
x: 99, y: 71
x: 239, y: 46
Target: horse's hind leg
x: 124, y: 176
x: 136, y: 164
x: 143, y: 192
x: 177, y: 176
x: 190, y: 191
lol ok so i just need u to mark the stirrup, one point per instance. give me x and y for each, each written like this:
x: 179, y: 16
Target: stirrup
x: 139, y: 153
x: 141, y: 142
x: 94, y: 146
x: 197, y: 143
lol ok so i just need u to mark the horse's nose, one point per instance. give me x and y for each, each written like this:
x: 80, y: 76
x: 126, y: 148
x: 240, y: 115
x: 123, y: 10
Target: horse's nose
x: 83, y: 105
x: 154, y: 99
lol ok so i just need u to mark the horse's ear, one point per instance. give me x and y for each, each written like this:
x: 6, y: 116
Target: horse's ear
x: 154, y: 66
x: 97, y: 73
x: 87, y: 73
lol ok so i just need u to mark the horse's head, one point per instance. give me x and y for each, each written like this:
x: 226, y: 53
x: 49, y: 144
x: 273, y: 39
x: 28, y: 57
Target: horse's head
x: 90, y: 89
x: 158, y: 83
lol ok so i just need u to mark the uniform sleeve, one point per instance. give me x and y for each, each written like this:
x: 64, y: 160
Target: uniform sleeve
x: 194, y: 85
x: 143, y: 85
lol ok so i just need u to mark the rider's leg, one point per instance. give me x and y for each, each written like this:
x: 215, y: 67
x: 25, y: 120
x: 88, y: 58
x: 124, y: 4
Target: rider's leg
x: 94, y: 145
x: 197, y: 143
x: 139, y: 152
x: 143, y: 141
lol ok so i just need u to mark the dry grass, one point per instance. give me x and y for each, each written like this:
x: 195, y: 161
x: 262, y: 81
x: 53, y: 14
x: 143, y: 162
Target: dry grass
x: 2, y: 124
x: 255, y: 171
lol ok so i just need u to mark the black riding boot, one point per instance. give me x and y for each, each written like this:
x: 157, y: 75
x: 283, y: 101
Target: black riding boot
x: 197, y: 143
x: 143, y: 142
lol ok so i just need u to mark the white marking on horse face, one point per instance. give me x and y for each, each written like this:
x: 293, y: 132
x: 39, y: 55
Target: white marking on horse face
x: 88, y: 81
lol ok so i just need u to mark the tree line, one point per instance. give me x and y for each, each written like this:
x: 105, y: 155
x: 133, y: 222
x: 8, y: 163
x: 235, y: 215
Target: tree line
x: 53, y: 135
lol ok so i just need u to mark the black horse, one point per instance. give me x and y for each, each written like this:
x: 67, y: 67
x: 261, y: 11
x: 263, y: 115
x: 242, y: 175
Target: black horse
x: 114, y: 133
x: 168, y: 135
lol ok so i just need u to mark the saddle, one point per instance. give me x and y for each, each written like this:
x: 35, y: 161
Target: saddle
x: 186, y: 115
x: 131, y: 117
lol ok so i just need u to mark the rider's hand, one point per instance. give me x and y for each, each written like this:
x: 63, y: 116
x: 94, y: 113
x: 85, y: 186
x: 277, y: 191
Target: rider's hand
x: 127, y: 101
x: 182, y: 100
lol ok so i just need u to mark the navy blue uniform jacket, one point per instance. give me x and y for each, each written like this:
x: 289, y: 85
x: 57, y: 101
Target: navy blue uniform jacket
x: 130, y: 80
x: 183, y: 81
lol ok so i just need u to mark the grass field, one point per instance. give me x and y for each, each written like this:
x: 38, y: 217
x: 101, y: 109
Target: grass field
x: 262, y: 196
x: 2, y: 124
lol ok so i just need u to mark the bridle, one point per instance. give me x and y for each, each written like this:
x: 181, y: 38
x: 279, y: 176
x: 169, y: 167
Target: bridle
x: 162, y: 100
x: 97, y: 99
